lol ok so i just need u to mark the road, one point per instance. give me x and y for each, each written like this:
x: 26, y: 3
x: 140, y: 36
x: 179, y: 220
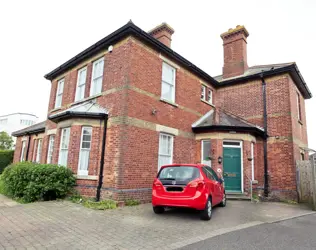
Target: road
x: 298, y: 233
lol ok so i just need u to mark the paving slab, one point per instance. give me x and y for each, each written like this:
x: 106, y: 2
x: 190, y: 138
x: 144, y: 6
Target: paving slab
x: 65, y: 225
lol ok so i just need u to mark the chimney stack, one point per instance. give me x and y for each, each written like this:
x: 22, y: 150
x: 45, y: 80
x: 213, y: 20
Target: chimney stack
x: 163, y: 33
x: 235, y: 51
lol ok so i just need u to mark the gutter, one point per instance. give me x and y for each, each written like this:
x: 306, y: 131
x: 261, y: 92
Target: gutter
x: 100, y: 182
x: 69, y: 114
x: 265, y: 143
x: 35, y: 131
x: 253, y: 130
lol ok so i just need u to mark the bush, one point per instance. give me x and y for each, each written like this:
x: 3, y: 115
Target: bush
x: 6, y: 158
x: 31, y: 182
x: 132, y: 202
x: 99, y: 205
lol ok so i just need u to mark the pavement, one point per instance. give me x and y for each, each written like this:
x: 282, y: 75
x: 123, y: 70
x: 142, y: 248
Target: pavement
x: 297, y: 233
x: 65, y: 225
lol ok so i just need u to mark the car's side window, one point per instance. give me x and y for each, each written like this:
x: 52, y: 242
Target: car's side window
x: 207, y: 173
x: 212, y: 172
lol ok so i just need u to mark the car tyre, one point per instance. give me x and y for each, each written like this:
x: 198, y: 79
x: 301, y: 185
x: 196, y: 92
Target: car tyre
x: 206, y: 214
x: 158, y: 210
x: 223, y: 202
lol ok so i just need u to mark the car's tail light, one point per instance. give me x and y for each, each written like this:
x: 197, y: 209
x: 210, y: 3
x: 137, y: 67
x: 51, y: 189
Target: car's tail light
x: 198, y: 184
x: 157, y: 184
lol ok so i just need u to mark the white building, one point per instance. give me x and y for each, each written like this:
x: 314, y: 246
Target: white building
x: 16, y: 121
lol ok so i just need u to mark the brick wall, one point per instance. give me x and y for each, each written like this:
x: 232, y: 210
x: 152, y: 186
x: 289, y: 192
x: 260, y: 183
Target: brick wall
x: 283, y: 127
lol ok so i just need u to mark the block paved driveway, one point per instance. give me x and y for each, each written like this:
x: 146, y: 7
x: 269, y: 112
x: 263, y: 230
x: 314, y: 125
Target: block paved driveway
x: 65, y: 225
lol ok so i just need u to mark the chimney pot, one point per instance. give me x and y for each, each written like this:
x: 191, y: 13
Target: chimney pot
x: 163, y: 33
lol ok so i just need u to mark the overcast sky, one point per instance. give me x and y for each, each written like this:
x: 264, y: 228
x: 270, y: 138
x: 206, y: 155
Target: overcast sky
x: 38, y: 36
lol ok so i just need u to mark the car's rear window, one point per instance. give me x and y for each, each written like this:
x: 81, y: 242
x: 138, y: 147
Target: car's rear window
x: 179, y: 173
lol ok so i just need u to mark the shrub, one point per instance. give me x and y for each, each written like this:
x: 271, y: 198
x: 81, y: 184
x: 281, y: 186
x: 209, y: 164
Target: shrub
x: 6, y: 158
x: 99, y: 205
x: 31, y: 182
x: 132, y: 202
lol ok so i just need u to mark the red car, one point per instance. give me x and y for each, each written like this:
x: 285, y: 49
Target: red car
x: 188, y: 185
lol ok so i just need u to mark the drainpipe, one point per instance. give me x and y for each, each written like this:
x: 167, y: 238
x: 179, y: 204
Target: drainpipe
x: 28, y: 148
x: 265, y: 143
x: 102, y: 159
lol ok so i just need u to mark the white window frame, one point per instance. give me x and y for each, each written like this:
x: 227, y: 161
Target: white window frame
x: 80, y: 171
x: 39, y: 151
x: 172, y: 84
x: 210, y: 96
x: 252, y: 161
x: 34, y: 150
x: 50, y: 149
x: 93, y: 78
x: 160, y: 154
x: 59, y: 93
x: 22, y: 151
x: 298, y: 102
x: 63, y: 149
x: 203, y: 92
x: 209, y: 162
x: 81, y: 85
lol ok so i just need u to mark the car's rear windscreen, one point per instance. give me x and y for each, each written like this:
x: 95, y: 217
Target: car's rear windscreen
x: 179, y: 173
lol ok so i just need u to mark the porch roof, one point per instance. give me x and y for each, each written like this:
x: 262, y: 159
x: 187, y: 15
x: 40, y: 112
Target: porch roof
x: 217, y: 119
x: 85, y: 110
x: 34, y: 129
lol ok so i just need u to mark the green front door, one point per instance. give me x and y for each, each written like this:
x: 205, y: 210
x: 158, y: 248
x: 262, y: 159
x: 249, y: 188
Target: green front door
x: 232, y: 169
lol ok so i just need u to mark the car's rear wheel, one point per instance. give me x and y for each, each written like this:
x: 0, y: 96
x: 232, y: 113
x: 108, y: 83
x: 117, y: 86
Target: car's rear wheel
x: 158, y: 210
x: 206, y: 214
x: 223, y: 202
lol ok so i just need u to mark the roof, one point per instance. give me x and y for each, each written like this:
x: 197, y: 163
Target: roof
x: 18, y: 113
x: 87, y: 109
x: 129, y: 29
x: 34, y: 129
x: 269, y: 70
x: 217, y: 119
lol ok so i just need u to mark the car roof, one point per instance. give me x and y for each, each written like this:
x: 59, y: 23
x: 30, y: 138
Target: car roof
x: 183, y: 164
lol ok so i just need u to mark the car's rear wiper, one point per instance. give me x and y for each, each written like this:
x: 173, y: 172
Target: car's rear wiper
x: 167, y: 179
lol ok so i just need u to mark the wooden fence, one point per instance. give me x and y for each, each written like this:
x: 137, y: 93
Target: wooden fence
x: 306, y: 183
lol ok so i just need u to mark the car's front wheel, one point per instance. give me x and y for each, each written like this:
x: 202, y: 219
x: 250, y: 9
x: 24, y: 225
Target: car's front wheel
x: 158, y: 210
x: 206, y: 214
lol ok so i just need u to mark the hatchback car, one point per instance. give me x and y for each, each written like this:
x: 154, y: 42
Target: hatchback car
x: 188, y: 185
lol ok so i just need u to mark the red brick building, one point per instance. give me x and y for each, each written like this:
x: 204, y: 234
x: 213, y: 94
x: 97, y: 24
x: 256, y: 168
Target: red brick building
x: 129, y: 103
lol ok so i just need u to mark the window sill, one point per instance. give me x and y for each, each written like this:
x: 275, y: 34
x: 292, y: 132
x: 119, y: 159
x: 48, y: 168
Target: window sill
x: 55, y: 109
x: 169, y: 102
x: 208, y: 103
x: 86, y: 99
x: 300, y: 122
x: 86, y: 177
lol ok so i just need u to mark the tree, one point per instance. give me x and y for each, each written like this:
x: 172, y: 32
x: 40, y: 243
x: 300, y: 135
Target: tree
x: 6, y: 141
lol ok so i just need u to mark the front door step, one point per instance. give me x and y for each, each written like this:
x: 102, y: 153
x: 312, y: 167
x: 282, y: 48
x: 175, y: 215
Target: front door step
x: 236, y: 196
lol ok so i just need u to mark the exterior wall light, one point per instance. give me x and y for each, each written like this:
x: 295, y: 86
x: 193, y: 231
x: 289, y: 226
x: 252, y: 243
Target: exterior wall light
x: 220, y: 159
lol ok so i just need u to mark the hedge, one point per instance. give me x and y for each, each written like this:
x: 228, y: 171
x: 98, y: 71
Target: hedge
x: 31, y: 181
x: 6, y: 158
